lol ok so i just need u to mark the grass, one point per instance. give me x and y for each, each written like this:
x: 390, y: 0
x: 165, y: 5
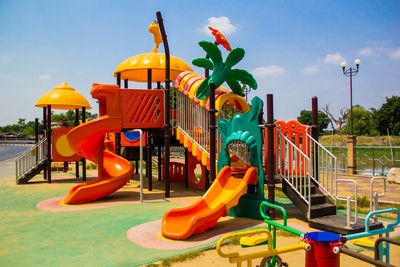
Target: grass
x: 179, y: 258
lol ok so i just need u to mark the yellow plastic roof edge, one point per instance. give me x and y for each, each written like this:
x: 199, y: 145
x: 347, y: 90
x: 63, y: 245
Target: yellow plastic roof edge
x: 193, y: 88
x: 219, y: 102
x: 121, y: 68
x: 185, y: 79
x: 62, y: 98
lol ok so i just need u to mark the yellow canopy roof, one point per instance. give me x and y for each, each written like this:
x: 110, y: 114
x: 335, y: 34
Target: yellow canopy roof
x: 135, y: 68
x: 64, y: 97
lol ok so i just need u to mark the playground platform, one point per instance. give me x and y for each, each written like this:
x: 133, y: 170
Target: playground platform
x: 115, y: 231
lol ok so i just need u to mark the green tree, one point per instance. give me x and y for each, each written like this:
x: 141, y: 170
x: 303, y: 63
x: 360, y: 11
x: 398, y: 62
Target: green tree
x: 68, y: 118
x: 362, y: 122
x: 388, y: 116
x: 306, y: 118
x: 222, y: 71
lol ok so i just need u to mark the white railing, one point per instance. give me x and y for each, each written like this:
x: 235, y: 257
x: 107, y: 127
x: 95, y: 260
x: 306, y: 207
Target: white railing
x: 193, y: 121
x: 293, y: 165
x: 348, y: 200
x: 324, y: 166
x: 374, y: 196
x: 30, y: 158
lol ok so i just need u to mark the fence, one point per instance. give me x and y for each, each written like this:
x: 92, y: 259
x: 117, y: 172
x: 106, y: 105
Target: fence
x: 16, y: 141
x: 370, y: 160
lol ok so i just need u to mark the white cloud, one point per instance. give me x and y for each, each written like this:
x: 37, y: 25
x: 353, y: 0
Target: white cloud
x: 311, y: 69
x: 395, y: 54
x: 366, y: 51
x: 44, y: 77
x: 334, y: 58
x: 271, y: 70
x: 223, y: 24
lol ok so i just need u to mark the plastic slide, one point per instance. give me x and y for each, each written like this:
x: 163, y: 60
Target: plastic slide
x: 223, y: 194
x: 114, y: 171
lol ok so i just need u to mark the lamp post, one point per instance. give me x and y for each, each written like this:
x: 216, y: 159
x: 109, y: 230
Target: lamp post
x: 351, y: 140
x: 350, y: 72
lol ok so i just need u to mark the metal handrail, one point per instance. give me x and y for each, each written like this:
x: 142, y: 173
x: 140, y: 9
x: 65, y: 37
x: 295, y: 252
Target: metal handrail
x: 348, y: 201
x: 30, y: 158
x: 374, y: 196
x: 293, y: 178
x: 328, y: 172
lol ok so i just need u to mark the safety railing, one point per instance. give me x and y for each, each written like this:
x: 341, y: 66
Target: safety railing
x: 374, y: 196
x: 31, y: 158
x: 348, y: 200
x: 193, y: 120
x: 324, y: 166
x: 293, y: 165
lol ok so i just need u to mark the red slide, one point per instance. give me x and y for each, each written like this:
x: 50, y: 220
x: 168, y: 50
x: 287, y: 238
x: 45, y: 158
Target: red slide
x: 114, y: 171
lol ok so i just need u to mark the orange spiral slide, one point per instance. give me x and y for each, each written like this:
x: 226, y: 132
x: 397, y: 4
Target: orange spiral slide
x: 88, y: 141
x: 223, y: 194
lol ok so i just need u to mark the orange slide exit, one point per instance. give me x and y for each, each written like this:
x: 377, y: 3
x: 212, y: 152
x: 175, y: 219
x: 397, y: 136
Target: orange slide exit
x: 223, y: 194
x: 88, y: 141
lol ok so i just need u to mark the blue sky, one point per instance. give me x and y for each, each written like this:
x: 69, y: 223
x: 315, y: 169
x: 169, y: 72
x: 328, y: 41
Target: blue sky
x: 293, y: 48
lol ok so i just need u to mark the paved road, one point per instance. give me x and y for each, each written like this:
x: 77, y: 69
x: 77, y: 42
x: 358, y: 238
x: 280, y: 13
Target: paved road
x: 7, y: 169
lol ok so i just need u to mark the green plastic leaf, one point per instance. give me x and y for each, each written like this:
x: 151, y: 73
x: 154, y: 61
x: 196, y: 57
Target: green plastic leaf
x: 235, y: 86
x: 224, y: 128
x: 234, y: 57
x: 212, y: 51
x: 203, y: 91
x: 203, y: 63
x: 243, y: 76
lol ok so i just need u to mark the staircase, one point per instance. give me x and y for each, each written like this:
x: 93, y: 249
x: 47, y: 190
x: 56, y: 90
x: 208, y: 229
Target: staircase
x: 31, y: 162
x: 303, y: 188
x: 308, y: 174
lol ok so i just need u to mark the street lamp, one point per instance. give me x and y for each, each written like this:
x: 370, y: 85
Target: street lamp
x: 350, y: 72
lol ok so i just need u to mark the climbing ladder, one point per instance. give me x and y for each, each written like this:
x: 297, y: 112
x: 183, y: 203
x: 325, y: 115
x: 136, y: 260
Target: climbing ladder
x: 31, y: 162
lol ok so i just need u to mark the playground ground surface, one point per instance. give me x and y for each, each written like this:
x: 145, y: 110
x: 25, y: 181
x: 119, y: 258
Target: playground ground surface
x: 117, y: 230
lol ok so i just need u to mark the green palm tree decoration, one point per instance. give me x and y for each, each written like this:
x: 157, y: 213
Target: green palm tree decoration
x: 222, y: 71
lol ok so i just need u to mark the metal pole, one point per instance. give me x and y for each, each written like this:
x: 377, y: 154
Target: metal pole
x: 117, y: 136
x: 148, y: 147
x: 76, y: 124
x: 37, y: 137
x: 49, y: 140
x: 351, y: 101
x: 83, y: 159
x: 167, y: 125
x: 213, y: 132
x: 206, y: 71
x: 45, y: 135
x: 159, y: 163
x: 271, y: 158
x: 314, y: 134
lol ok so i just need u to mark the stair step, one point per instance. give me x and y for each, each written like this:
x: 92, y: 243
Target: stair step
x: 320, y: 210
x: 305, y: 189
x: 318, y: 199
x: 31, y: 173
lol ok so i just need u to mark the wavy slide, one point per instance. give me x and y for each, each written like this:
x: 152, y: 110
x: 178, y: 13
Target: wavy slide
x: 223, y: 194
x: 114, y: 171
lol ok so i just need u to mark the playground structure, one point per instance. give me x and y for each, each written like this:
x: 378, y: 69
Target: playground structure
x: 54, y: 147
x: 230, y: 155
